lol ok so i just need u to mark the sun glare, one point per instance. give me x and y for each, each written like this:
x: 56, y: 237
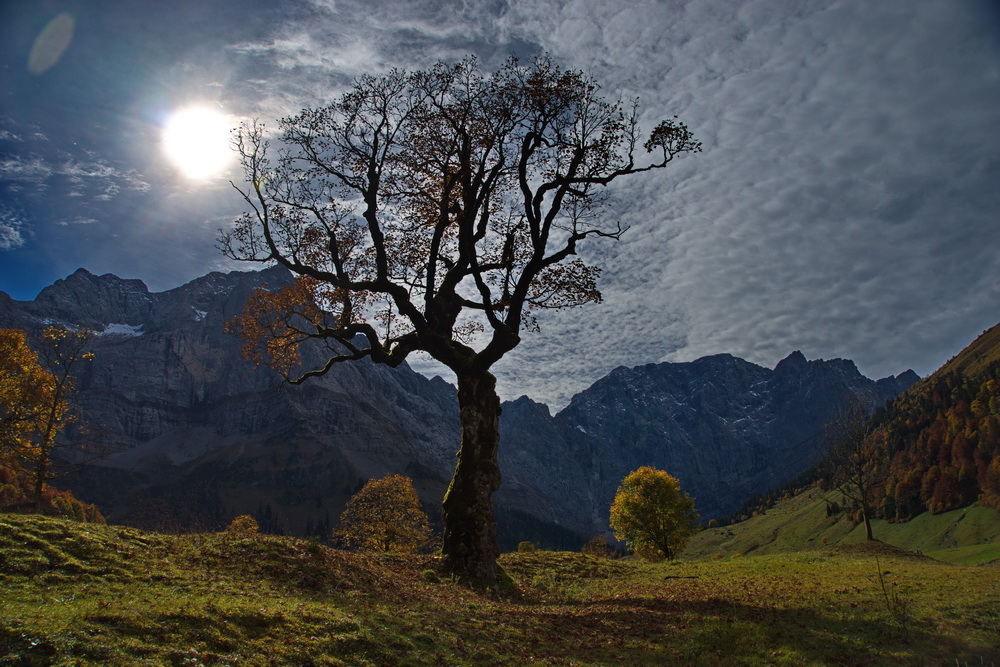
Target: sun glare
x: 196, y: 141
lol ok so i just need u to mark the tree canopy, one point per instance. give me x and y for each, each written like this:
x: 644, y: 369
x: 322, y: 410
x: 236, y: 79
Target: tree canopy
x: 385, y: 517
x: 440, y: 211
x: 420, y: 207
x: 36, y: 400
x: 652, y: 514
x: 26, y: 389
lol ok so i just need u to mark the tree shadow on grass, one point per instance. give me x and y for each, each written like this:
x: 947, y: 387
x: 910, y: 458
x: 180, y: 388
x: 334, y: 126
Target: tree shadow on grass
x: 721, y: 631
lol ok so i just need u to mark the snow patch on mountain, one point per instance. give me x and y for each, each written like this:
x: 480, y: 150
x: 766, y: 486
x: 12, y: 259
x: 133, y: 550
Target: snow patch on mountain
x: 122, y: 330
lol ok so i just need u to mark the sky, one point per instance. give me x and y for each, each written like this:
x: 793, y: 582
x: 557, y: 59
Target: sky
x: 845, y: 203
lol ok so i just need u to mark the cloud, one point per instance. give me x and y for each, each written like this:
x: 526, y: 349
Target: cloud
x: 38, y: 162
x: 29, y: 169
x: 77, y: 221
x: 845, y: 179
x: 844, y: 204
x: 81, y: 175
x: 11, y: 229
x: 315, y: 56
x: 101, y: 175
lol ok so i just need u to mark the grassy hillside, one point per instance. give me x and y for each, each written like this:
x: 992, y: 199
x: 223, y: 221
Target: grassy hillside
x: 87, y: 594
x: 801, y: 522
x: 974, y: 359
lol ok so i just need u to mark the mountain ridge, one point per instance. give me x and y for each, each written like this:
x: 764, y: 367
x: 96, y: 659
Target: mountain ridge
x: 199, y: 434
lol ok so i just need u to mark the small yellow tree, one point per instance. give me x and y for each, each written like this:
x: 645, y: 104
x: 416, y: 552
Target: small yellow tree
x: 244, y: 526
x: 652, y: 514
x: 385, y: 516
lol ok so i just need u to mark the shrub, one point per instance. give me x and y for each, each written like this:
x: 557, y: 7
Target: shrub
x: 649, y: 553
x: 598, y: 547
x: 244, y: 525
x: 526, y: 547
x: 385, y: 517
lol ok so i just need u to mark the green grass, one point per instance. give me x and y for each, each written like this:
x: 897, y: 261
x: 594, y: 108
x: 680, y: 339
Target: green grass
x: 801, y: 522
x: 980, y: 554
x: 979, y: 354
x: 78, y: 594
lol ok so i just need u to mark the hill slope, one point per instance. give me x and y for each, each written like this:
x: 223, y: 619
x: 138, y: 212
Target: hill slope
x: 969, y: 535
x: 975, y: 358
x: 942, y: 437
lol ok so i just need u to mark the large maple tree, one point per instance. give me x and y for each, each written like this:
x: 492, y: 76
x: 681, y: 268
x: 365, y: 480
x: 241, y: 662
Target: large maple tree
x: 437, y: 210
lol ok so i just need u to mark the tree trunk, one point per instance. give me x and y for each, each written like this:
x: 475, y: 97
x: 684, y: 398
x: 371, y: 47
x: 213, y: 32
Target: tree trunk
x: 865, y: 514
x: 44, y: 460
x: 470, y: 546
x: 38, y: 491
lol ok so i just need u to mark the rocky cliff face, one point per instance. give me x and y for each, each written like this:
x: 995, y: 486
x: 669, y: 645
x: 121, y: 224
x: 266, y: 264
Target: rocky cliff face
x: 726, y: 428
x: 198, y: 435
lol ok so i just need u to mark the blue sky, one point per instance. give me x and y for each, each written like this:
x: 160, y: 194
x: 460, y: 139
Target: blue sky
x: 845, y: 204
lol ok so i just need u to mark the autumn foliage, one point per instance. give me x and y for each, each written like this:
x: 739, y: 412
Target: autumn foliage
x: 17, y: 493
x: 244, y: 526
x: 652, y: 514
x: 36, y: 400
x: 25, y: 390
x: 385, y: 517
x: 942, y: 445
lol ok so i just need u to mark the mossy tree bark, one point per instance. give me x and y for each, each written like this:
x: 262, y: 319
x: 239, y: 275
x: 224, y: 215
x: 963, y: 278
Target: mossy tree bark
x: 470, y: 547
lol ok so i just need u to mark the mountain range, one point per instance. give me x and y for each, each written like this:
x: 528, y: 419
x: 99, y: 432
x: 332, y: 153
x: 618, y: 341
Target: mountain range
x: 196, y: 434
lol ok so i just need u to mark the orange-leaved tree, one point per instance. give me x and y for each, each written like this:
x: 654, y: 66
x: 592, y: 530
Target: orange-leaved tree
x: 25, y: 390
x: 61, y: 351
x: 37, y: 392
x: 652, y: 514
x: 437, y: 211
x: 385, y: 516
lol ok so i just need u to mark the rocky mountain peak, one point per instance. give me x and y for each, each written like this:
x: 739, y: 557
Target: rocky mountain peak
x: 889, y: 387
x: 793, y: 363
x: 84, y: 299
x: 727, y: 428
x: 526, y: 406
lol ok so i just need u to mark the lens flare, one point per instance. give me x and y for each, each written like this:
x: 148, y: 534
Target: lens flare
x: 51, y: 43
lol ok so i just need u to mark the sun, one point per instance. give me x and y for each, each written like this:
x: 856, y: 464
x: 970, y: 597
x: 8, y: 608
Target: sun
x: 196, y: 141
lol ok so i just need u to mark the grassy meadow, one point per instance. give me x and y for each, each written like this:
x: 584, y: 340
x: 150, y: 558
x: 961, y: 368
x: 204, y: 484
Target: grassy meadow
x: 801, y: 522
x: 84, y: 594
